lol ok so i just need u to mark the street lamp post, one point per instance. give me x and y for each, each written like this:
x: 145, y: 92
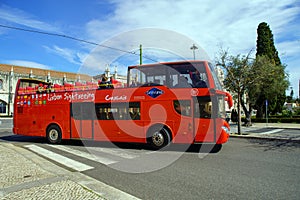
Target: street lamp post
x: 193, y: 48
x: 141, y: 55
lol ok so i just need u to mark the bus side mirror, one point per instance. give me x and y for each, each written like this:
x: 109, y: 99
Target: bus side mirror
x: 229, y: 100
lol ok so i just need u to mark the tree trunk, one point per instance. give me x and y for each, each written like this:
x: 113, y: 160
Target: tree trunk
x: 239, y: 113
x: 260, y: 112
x: 247, y: 113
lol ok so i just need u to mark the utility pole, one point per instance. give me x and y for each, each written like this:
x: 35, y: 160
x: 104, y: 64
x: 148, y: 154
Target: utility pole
x: 193, y: 48
x: 141, y: 61
x: 141, y: 55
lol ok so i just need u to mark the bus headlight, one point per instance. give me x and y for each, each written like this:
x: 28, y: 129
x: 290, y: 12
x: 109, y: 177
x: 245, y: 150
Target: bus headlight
x: 227, y: 130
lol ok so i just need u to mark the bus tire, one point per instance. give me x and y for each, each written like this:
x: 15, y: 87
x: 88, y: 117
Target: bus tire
x: 158, y: 137
x: 216, y: 148
x: 53, y: 134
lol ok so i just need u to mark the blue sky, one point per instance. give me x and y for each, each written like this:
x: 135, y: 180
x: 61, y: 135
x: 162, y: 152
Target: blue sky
x: 166, y: 29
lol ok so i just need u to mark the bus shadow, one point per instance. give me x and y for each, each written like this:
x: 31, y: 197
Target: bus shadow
x: 191, y: 148
x: 21, y: 139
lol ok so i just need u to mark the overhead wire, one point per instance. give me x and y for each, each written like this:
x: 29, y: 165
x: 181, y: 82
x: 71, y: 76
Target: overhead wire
x: 73, y: 38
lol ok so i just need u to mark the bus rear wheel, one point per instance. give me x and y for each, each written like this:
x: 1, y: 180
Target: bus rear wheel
x: 159, y: 137
x: 53, y: 134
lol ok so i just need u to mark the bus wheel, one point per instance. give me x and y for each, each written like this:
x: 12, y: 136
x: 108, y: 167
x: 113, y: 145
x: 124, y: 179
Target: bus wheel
x: 159, y: 137
x: 53, y: 134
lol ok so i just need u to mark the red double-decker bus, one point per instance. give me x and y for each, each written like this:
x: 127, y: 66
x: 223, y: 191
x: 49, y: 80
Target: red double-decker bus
x: 162, y: 103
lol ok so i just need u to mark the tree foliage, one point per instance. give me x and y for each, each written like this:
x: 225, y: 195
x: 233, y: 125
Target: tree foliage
x: 239, y: 76
x: 274, y: 80
x: 270, y: 86
x: 265, y: 43
x: 252, y: 81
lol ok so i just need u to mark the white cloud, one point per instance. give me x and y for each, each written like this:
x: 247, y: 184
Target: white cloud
x: 207, y: 22
x: 232, y: 23
x: 154, y: 44
x: 14, y: 15
x: 70, y: 55
x: 26, y: 63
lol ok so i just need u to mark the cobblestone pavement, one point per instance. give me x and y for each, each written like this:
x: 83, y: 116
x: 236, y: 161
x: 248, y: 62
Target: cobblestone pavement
x: 25, y: 175
x: 22, y: 178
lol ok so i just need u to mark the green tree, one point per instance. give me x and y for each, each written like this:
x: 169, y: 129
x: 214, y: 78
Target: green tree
x: 270, y: 82
x: 239, y: 76
x: 265, y: 43
x: 267, y: 57
x: 289, y: 99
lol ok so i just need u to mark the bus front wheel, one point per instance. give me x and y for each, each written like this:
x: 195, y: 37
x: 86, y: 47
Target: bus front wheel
x: 53, y: 134
x: 159, y: 137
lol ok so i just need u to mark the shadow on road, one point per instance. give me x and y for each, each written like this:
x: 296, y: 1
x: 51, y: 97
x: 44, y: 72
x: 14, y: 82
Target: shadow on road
x: 20, y: 138
x: 274, y: 144
x: 194, y: 148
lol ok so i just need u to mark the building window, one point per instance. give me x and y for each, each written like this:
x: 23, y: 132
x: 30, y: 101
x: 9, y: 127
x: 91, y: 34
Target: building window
x: 3, y: 107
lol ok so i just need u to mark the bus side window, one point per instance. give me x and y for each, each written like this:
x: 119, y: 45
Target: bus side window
x: 118, y: 111
x: 101, y: 111
x: 198, y: 80
x: 182, y: 107
x: 134, y: 110
x: 102, y: 115
x: 122, y: 114
x: 205, y: 110
x: 203, y: 107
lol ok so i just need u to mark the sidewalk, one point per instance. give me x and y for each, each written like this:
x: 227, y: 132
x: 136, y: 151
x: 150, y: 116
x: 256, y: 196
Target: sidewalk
x: 24, y: 175
x: 274, y: 131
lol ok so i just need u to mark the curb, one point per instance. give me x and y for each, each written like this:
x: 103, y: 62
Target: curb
x: 265, y: 138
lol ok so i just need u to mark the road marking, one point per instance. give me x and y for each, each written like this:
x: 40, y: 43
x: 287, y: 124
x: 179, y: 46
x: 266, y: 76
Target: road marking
x: 272, y: 131
x: 78, y: 166
x: 103, y: 160
x: 119, y: 153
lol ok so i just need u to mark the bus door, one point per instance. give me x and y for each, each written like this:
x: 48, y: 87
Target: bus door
x: 184, y: 127
x: 204, y: 123
x: 82, y: 120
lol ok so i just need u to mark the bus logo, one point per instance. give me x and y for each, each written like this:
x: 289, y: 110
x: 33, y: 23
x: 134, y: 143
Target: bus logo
x: 154, y: 92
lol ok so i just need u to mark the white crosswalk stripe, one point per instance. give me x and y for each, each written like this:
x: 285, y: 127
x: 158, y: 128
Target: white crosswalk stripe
x: 272, y: 131
x: 120, y: 153
x: 73, y: 164
x: 83, y: 154
x: 106, y: 156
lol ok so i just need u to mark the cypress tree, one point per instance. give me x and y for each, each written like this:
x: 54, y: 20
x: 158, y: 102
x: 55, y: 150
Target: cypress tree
x: 265, y: 43
x: 266, y: 48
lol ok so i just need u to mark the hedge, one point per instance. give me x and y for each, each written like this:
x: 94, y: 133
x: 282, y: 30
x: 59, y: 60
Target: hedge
x: 276, y: 120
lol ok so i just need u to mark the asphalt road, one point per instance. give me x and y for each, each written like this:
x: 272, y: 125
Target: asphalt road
x: 243, y: 169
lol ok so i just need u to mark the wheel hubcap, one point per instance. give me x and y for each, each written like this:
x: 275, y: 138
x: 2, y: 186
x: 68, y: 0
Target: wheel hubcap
x: 158, y: 139
x: 53, y: 134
